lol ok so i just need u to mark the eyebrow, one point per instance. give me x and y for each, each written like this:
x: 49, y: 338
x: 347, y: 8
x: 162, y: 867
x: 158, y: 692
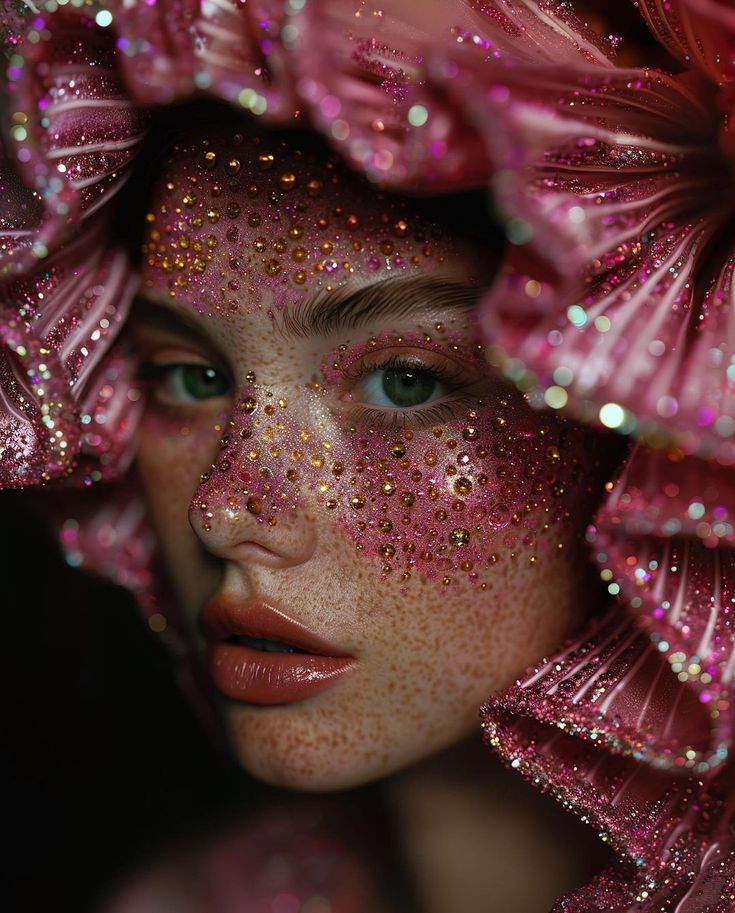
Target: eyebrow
x: 332, y: 311
x: 154, y: 313
x: 346, y: 307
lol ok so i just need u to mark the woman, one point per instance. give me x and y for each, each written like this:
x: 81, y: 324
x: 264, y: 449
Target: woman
x: 312, y: 355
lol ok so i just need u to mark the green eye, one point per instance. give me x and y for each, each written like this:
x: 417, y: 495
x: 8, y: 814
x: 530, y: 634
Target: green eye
x: 402, y: 388
x: 185, y: 383
x: 202, y: 382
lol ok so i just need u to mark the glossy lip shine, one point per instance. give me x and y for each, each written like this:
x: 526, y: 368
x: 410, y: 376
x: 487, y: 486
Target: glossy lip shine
x: 247, y: 674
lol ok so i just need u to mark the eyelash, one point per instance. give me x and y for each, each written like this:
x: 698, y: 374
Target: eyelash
x: 152, y: 375
x: 434, y: 413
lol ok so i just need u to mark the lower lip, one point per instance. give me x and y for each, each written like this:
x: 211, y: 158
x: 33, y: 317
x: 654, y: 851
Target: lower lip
x: 256, y: 677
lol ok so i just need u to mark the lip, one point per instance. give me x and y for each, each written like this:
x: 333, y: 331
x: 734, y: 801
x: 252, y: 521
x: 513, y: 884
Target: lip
x: 247, y: 674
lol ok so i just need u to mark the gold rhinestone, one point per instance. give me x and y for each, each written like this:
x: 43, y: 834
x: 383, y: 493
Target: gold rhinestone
x: 459, y: 537
x: 408, y: 499
x: 462, y: 486
x: 357, y: 501
x: 254, y: 506
x: 398, y: 449
x: 388, y: 487
x: 249, y: 405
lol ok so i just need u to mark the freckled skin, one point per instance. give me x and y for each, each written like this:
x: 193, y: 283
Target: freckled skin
x: 428, y: 652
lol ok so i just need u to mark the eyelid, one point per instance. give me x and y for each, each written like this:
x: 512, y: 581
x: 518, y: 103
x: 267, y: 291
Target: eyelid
x: 430, y: 360
x: 462, y: 379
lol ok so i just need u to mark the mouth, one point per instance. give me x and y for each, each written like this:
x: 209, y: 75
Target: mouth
x: 261, y: 643
x: 259, y: 655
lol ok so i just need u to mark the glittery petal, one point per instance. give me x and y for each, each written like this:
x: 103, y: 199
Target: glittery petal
x: 602, y: 282
x: 371, y: 94
x: 80, y: 128
x: 583, y: 721
x: 697, y: 32
x: 72, y: 310
x: 179, y: 49
x: 20, y: 215
x: 593, y: 158
x: 40, y: 430
x: 697, y: 875
x: 676, y: 572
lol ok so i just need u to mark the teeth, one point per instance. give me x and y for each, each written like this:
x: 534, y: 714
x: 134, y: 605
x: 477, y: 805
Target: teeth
x: 267, y: 646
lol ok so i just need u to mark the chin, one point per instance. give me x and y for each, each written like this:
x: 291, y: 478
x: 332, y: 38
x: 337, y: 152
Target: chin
x: 303, y: 750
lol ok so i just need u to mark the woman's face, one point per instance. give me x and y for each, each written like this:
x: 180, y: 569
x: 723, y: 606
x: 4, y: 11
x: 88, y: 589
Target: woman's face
x: 367, y: 531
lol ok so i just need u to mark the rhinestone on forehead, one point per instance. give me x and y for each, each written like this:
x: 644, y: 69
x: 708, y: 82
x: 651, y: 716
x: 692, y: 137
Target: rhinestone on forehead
x: 249, y: 219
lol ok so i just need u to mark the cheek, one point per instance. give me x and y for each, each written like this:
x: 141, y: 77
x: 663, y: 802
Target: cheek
x: 443, y: 503
x: 170, y: 458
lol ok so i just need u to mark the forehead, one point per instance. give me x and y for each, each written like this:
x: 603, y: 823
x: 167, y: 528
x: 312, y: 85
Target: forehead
x: 241, y: 219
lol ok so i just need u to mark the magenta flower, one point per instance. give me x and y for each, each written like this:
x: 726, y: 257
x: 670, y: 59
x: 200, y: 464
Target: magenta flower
x: 614, y: 302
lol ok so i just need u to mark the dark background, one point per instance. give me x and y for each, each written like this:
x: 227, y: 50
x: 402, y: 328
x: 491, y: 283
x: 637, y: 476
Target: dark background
x: 102, y: 762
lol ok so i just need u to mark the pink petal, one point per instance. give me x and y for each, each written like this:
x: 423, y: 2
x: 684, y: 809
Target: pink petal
x: 582, y: 722
x: 664, y: 538
x: 604, y: 178
x: 181, y: 48
x: 697, y: 32
x: 698, y: 874
x: 80, y: 128
x: 375, y: 85
x: 72, y: 311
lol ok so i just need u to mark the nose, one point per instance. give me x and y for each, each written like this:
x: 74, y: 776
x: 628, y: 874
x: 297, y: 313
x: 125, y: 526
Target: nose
x: 249, y: 507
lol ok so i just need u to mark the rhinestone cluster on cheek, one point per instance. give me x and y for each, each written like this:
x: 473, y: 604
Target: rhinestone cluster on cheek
x: 442, y: 502
x: 239, y: 215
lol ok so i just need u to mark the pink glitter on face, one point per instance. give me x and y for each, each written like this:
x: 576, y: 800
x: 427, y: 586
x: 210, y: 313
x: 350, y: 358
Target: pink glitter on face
x: 254, y: 219
x: 435, y: 490
x: 336, y: 448
x: 421, y: 494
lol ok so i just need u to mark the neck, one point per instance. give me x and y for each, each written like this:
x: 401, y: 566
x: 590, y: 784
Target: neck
x: 474, y: 833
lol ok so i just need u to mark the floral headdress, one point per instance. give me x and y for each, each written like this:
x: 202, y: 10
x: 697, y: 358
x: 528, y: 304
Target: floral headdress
x: 614, y: 304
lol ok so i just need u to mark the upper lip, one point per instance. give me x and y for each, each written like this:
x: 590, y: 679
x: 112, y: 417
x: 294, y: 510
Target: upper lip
x: 223, y: 617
